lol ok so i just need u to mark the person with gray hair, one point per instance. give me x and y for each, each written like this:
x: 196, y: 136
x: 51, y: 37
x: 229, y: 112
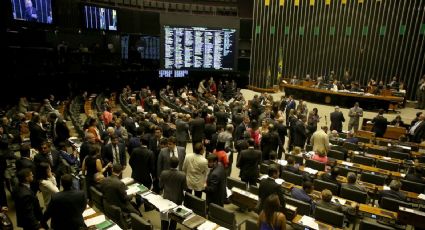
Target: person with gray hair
x: 352, y: 183
x: 394, y: 192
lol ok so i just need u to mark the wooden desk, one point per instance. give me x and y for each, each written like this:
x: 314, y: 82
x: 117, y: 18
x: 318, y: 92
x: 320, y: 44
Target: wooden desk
x: 411, y: 217
x: 369, y: 168
x: 369, y: 102
x: 322, y: 225
x: 386, y: 214
x: 244, y: 198
x: 392, y: 132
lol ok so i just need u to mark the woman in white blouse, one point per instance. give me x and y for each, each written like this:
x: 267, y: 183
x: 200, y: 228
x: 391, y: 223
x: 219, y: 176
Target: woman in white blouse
x: 196, y: 168
x: 47, y: 182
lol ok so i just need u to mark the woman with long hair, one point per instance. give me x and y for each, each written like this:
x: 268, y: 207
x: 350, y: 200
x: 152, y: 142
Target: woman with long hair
x: 270, y: 217
x: 47, y: 182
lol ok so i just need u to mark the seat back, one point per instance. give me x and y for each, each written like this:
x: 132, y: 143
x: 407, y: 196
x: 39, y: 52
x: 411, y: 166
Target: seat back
x: 399, y: 155
x: 138, y: 223
x: 380, y: 152
x: 232, y: 182
x: 97, y: 197
x: 320, y: 185
x: 198, y: 205
x: 351, y: 146
x: 372, y: 178
x: 363, y: 160
x: 392, y: 204
x: 335, y: 154
x: 343, y: 171
x: 298, y: 159
x: 387, y: 165
x: 412, y: 186
x: 354, y: 195
x: 115, y: 214
x: 253, y: 189
x: 251, y: 225
x: 264, y: 168
x: 221, y: 216
x: 327, y: 216
x: 303, y: 208
x: 315, y: 165
x: 292, y: 178
x: 366, y: 225
x: 339, y: 148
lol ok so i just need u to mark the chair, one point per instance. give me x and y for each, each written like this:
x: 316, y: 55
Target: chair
x: 412, y: 186
x: 354, y: 195
x: 380, y: 152
x: 363, y: 160
x: 327, y: 216
x: 366, y: 225
x: 114, y: 213
x: 372, y: 178
x: 337, y: 155
x: 253, y: 189
x: 264, y: 168
x: 392, y: 204
x: 343, y: 171
x: 138, y: 223
x: 251, y: 225
x: 387, y: 165
x: 298, y: 159
x: 292, y: 178
x: 315, y: 165
x: 198, y: 205
x: 320, y: 185
x: 221, y: 216
x: 399, y: 155
x: 351, y: 146
x: 231, y: 182
x: 363, y: 139
x: 303, y: 208
x: 97, y: 198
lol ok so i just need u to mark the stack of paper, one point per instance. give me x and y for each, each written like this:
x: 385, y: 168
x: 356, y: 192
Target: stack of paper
x: 311, y: 171
x: 349, y: 164
x: 421, y: 196
x: 282, y: 162
x: 207, y: 225
x: 338, y: 200
x: 309, y: 222
x: 265, y: 176
x: 88, y: 212
x: 95, y: 220
x: 386, y: 188
x: 127, y: 180
x: 228, y: 192
x: 132, y: 190
x: 279, y: 181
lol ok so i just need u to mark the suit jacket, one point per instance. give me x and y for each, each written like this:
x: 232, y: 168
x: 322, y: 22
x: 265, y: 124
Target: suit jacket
x: 240, y: 130
x: 269, y: 142
x: 142, y: 164
x: 216, y: 185
x: 379, y: 126
x: 182, y: 130
x: 267, y: 187
x: 291, y: 169
x: 221, y: 117
x: 164, y: 159
x: 114, y: 192
x: 336, y: 121
x: 174, y: 183
x: 66, y: 210
x: 248, y: 163
x: 330, y: 205
x: 56, y: 158
x: 108, y: 154
x: 28, y: 210
x: 300, y: 134
x: 61, y: 131
x: 23, y: 163
x: 37, y: 135
x: 419, y: 133
x: 320, y: 141
x: 393, y: 194
x: 355, y: 187
x: 197, y: 127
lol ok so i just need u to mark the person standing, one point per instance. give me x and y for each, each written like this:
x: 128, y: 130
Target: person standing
x: 337, y: 118
x: 196, y: 168
x: 216, y: 182
x: 248, y: 163
x: 142, y: 163
x: 320, y: 140
x: 380, y: 124
x: 420, y: 94
x: 355, y: 113
x: 171, y: 151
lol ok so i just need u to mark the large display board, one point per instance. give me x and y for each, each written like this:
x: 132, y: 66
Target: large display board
x: 199, y: 48
x: 147, y: 47
x: 101, y: 18
x: 32, y: 10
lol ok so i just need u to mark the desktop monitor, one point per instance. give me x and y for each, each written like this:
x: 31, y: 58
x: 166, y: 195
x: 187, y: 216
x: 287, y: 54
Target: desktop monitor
x: 39, y: 11
x: 100, y: 18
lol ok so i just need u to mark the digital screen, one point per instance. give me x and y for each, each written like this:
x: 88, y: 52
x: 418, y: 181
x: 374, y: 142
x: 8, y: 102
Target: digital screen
x: 100, y: 18
x: 199, y: 48
x: 146, y: 47
x: 168, y: 73
x: 32, y: 10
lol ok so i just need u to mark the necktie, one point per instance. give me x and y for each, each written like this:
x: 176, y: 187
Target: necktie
x: 116, y: 158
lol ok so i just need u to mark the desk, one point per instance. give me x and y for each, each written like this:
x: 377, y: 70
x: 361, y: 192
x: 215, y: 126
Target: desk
x: 98, y: 220
x: 384, y: 214
x: 392, y: 132
x: 411, y: 217
x: 370, y: 102
x: 369, y: 168
x: 244, y: 198
x: 322, y: 225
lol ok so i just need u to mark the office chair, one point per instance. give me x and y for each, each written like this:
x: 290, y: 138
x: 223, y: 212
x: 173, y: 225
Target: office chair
x: 387, y: 165
x: 372, y: 178
x: 298, y: 159
x: 392, y: 204
x: 337, y: 155
x: 97, y: 198
x: 363, y: 160
x: 264, y: 168
x: 303, y: 208
x: 351, y: 146
x: 315, y: 165
x: 253, y: 189
x: 366, y: 225
x: 232, y: 182
x: 138, y: 223
x: 344, y: 170
x: 380, y: 152
x: 221, y: 216
x: 292, y: 178
x: 330, y: 217
x: 354, y: 195
x: 399, y: 155
x: 412, y: 186
x: 320, y: 185
x: 198, y: 205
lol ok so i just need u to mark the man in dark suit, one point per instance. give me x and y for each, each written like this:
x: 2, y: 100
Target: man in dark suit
x: 216, y: 181
x: 38, y: 134
x: 290, y: 166
x: 351, y: 183
x: 59, y: 130
x: 66, y: 208
x: 417, y: 131
x: 379, y: 124
x: 270, y: 142
x: 115, y: 152
x: 248, y: 163
x: 221, y: 117
x: 241, y: 128
x: 167, y: 153
x: 289, y: 105
x: 26, y: 162
x: 332, y: 177
x: 142, y: 164
x: 337, y: 118
x: 173, y: 182
x: 182, y: 130
x: 114, y: 191
x: 90, y: 139
x: 197, y: 128
x: 52, y: 157
x: 268, y: 186
x: 300, y: 134
x: 155, y: 141
x: 282, y: 132
x: 28, y: 210
x: 394, y: 192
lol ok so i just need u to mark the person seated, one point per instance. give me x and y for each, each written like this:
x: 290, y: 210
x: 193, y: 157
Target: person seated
x: 351, y: 139
x: 334, y: 86
x: 320, y: 156
x: 304, y: 193
x: 294, y: 81
x: 333, y: 135
x: 270, y: 217
x: 355, y: 87
x: 416, y: 175
x: 290, y: 166
x: 397, y: 121
x: 332, y: 177
x: 394, y: 192
x: 352, y: 183
x: 296, y: 151
x: 327, y: 203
